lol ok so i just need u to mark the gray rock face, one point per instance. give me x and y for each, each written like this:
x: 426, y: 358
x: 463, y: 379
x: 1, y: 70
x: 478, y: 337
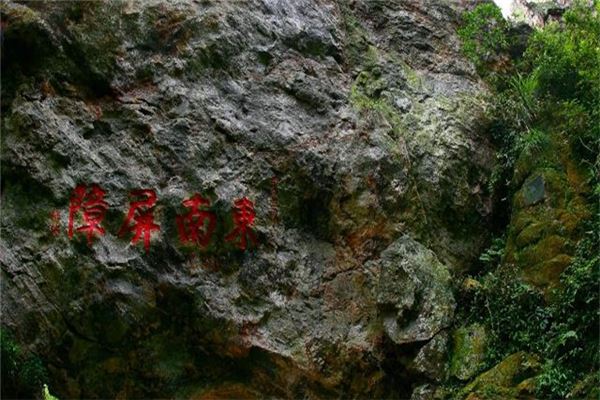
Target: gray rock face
x: 533, y: 191
x: 537, y: 13
x: 431, y: 360
x: 354, y: 129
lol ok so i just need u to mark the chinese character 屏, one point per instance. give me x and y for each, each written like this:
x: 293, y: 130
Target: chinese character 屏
x: 140, y: 218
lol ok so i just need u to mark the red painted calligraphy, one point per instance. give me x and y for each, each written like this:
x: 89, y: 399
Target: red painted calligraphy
x: 93, y: 207
x: 243, y: 219
x: 198, y: 224
x: 140, y: 218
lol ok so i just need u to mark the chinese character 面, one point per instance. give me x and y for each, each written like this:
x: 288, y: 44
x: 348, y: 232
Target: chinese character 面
x: 197, y: 225
x: 140, y: 218
x: 93, y: 207
x: 243, y: 219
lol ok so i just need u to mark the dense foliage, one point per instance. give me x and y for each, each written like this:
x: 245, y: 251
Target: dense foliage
x: 23, y: 374
x: 564, y: 332
x: 483, y: 34
x: 552, y: 89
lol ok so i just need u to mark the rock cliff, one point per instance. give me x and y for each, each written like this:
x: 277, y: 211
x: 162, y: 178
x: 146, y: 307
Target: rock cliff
x: 354, y: 127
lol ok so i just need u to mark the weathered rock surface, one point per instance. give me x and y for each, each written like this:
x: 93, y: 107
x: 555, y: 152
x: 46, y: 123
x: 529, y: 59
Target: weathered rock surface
x: 548, y: 212
x: 538, y: 12
x: 354, y: 127
x: 414, y: 292
x: 432, y: 359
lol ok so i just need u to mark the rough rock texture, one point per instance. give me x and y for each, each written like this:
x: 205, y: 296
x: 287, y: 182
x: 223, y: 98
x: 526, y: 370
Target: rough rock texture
x: 431, y: 360
x: 548, y: 211
x: 354, y: 127
x: 538, y: 12
x: 414, y: 292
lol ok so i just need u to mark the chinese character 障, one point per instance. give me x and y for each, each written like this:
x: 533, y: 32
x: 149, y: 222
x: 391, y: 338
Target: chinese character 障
x: 93, y: 207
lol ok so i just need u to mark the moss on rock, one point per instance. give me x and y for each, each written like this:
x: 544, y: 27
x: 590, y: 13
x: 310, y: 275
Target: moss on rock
x: 468, y: 351
x: 509, y: 379
x: 548, y: 210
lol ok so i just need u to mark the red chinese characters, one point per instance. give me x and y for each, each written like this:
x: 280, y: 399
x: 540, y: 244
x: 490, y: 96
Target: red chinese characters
x: 243, y: 219
x: 197, y: 225
x: 140, y: 218
x: 90, y: 202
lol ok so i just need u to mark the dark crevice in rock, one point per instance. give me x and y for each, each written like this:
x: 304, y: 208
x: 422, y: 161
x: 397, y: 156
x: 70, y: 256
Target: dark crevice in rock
x: 398, y: 377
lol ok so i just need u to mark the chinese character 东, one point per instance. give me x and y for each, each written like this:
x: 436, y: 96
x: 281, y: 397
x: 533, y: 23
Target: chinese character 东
x: 243, y: 219
x: 140, y: 218
x: 93, y: 207
x: 197, y: 225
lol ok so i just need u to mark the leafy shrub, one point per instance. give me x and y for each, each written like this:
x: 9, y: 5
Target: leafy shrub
x: 483, y: 34
x: 555, y: 87
x: 567, y: 56
x: 566, y: 61
x: 525, y: 89
x: 554, y: 382
x: 573, y: 339
x: 514, y: 313
x: 493, y: 255
x: 531, y: 141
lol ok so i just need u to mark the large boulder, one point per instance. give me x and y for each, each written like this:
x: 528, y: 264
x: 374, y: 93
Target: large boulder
x: 353, y: 127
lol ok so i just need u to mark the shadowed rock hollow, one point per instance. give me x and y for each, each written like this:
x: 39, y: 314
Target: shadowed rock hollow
x: 355, y: 127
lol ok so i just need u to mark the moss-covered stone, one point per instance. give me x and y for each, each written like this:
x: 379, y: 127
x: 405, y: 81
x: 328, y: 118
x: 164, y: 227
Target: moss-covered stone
x: 548, y: 209
x: 468, y: 351
x: 509, y: 379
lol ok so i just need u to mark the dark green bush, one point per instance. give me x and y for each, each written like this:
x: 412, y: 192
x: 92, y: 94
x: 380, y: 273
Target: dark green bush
x: 483, y: 34
x: 514, y: 313
x: 23, y: 374
x: 554, y: 87
x: 565, y: 59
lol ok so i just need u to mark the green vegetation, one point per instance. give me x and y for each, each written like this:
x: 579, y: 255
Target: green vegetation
x: 553, y: 88
x: 47, y: 395
x: 545, y: 116
x: 564, y: 331
x: 483, y: 34
x: 23, y: 374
